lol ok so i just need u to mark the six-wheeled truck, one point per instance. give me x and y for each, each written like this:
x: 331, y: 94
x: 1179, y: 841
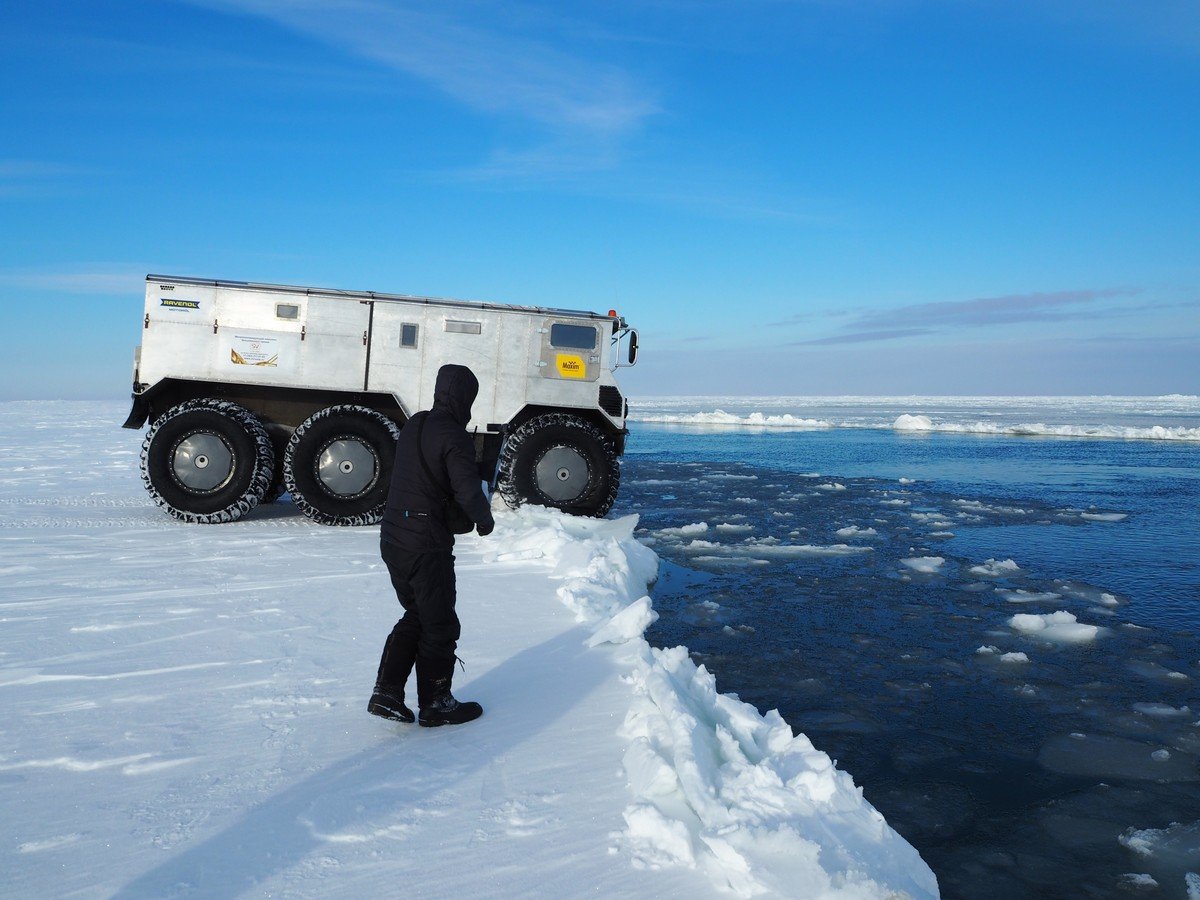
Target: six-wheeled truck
x: 254, y: 389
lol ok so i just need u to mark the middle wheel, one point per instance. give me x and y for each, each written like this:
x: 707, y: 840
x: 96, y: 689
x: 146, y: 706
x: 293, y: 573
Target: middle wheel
x: 338, y: 465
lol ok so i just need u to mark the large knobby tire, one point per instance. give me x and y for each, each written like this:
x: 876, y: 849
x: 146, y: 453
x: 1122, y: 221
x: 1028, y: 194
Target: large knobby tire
x: 338, y: 465
x: 207, y: 461
x: 561, y: 461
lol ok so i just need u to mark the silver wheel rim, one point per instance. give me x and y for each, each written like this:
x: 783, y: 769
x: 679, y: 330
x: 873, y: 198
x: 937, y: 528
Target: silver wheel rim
x: 561, y: 474
x: 202, y: 462
x: 346, y: 467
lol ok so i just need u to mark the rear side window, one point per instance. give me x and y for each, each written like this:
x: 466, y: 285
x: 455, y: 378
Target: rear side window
x: 573, y: 337
x: 408, y: 335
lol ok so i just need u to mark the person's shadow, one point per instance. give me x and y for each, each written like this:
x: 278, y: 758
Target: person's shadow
x: 523, y: 695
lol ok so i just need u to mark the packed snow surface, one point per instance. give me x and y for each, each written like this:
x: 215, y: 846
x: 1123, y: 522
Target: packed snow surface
x: 185, y: 713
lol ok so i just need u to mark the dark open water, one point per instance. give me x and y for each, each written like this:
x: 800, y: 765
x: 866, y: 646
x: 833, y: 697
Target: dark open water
x: 1013, y: 777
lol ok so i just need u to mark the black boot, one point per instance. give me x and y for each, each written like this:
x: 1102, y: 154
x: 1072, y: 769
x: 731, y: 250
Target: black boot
x: 438, y: 706
x: 388, y: 703
x: 399, y: 654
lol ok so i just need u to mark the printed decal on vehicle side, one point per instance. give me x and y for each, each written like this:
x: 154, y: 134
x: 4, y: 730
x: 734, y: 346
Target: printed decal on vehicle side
x: 172, y: 303
x: 571, y: 366
x: 254, y: 351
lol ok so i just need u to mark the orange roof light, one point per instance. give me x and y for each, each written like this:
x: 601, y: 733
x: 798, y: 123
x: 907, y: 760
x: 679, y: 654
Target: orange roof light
x: 612, y: 313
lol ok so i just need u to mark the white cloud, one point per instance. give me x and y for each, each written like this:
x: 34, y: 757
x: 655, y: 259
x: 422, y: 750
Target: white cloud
x: 103, y: 279
x: 485, y: 67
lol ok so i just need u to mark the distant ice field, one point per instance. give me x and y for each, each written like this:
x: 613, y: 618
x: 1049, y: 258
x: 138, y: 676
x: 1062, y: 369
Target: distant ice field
x: 1174, y: 417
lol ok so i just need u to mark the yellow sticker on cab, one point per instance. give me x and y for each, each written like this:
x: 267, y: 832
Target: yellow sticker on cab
x: 571, y: 366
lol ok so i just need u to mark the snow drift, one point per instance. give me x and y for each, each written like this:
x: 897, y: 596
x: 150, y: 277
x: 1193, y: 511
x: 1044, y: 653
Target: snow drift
x: 717, y: 786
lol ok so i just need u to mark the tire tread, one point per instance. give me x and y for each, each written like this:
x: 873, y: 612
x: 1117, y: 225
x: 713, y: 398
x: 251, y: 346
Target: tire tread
x: 264, y: 462
x: 597, y: 502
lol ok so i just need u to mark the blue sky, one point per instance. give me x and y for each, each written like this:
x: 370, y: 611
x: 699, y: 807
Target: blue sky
x: 821, y: 197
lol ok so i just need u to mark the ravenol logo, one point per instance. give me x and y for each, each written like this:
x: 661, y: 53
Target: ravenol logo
x: 172, y: 303
x: 571, y: 366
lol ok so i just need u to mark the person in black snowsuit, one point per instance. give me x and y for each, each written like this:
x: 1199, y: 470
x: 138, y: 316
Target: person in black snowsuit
x: 416, y: 544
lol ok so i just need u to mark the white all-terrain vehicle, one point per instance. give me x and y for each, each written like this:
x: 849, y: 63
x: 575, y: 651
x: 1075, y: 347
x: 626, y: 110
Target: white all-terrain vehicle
x: 253, y: 389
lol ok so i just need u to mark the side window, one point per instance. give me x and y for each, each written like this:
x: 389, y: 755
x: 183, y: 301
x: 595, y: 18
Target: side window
x: 458, y: 327
x: 573, y: 337
x: 408, y: 335
x: 287, y: 311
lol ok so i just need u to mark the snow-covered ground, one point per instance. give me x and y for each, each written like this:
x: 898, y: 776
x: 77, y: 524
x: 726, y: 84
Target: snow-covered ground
x: 184, y: 713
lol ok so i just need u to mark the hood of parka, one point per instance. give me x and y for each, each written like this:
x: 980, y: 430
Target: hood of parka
x: 454, y: 391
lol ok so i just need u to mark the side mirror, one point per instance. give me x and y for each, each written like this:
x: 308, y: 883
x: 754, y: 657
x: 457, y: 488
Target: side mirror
x: 633, y: 347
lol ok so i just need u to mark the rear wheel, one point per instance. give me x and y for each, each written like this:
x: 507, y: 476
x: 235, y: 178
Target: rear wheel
x: 338, y: 465
x: 562, y: 461
x: 207, y: 461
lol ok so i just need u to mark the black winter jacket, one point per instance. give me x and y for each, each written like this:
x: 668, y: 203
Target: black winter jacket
x: 450, y: 455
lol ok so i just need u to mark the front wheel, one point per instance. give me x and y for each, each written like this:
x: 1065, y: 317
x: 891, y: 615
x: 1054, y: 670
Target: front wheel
x: 207, y: 461
x: 338, y: 465
x: 562, y: 461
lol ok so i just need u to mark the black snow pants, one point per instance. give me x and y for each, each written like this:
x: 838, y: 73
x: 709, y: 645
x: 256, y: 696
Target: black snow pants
x: 428, y: 633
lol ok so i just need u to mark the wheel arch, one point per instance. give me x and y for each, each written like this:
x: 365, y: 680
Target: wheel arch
x: 277, y: 406
x: 590, y: 414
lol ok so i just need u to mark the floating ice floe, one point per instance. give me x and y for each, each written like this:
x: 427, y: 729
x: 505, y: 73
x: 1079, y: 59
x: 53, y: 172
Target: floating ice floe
x: 1162, y: 710
x: 931, y: 519
x: 728, y: 528
x: 927, y: 565
x: 854, y: 531
x: 908, y: 422
x: 991, y: 650
x: 1177, y: 845
x: 1079, y: 591
x: 683, y: 530
x: 1103, y: 516
x: 1138, y: 880
x: 730, y: 562
x: 1020, y: 596
x: 995, y: 568
x: 1056, y: 626
x: 1155, y: 672
x: 976, y: 506
x: 769, y: 548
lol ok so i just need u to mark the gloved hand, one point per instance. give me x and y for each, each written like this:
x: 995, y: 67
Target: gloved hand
x: 486, y: 528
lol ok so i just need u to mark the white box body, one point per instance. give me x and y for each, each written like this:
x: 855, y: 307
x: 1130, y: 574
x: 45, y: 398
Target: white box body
x: 312, y: 339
